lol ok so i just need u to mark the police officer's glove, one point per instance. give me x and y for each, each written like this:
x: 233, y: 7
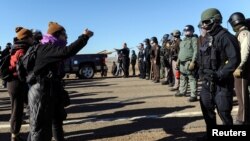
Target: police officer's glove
x: 191, y: 66
x: 237, y: 72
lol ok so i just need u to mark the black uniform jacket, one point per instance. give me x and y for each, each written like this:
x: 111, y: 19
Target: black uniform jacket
x: 49, y: 54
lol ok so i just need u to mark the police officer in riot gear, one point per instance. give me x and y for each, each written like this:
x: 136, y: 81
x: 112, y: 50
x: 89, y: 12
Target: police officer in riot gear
x: 165, y: 62
x: 187, y: 57
x: 147, y: 54
x: 133, y: 61
x: 174, y: 51
x: 155, y: 59
x: 219, y: 58
x: 162, y: 70
x: 241, y: 74
x: 141, y: 56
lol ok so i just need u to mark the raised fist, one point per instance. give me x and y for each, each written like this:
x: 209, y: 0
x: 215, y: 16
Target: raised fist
x: 88, y: 32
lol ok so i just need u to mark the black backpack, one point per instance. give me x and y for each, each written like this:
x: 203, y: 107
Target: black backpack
x: 25, y: 65
x: 5, y: 73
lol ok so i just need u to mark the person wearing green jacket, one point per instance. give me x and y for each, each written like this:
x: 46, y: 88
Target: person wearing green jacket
x: 186, y: 63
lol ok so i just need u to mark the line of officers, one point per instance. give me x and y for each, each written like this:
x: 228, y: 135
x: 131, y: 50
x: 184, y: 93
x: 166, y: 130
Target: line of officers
x: 174, y: 61
x: 218, y: 58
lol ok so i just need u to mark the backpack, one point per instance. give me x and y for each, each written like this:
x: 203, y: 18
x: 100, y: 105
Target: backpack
x: 5, y: 73
x: 25, y: 65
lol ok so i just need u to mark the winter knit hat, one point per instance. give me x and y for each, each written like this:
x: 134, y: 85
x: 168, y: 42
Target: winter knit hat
x: 54, y: 27
x: 22, y: 33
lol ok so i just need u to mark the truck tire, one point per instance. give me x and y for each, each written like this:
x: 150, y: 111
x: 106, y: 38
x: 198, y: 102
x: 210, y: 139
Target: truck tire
x: 86, y: 72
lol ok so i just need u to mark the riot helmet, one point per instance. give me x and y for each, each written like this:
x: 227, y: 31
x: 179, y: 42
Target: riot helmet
x: 188, y: 31
x: 236, y: 19
x: 147, y: 41
x: 8, y: 44
x: 154, y: 40
x: 211, y: 13
x: 210, y: 18
x: 176, y: 33
x: 188, y: 28
x: 165, y: 37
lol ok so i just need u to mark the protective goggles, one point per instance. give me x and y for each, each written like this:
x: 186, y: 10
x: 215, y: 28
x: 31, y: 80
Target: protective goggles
x: 207, y: 22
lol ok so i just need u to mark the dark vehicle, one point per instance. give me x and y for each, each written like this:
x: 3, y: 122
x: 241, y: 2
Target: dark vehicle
x: 86, y: 65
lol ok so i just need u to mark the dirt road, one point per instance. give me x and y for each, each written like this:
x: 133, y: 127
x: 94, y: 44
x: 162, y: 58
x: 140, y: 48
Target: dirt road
x: 121, y: 109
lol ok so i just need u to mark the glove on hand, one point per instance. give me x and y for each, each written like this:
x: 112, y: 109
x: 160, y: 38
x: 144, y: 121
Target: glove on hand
x: 191, y: 66
x: 237, y: 72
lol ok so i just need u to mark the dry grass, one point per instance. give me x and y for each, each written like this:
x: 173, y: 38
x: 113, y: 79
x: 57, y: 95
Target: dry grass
x: 109, y: 63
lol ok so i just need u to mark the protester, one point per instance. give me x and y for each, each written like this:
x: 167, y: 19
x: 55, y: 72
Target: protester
x: 45, y: 95
x: 18, y: 89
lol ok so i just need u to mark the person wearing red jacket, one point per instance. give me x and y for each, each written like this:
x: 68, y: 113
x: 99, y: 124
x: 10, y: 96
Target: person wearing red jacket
x: 16, y: 88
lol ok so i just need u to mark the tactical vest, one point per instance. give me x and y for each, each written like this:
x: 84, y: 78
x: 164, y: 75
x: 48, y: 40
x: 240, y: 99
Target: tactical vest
x: 210, y: 55
x: 175, y: 47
